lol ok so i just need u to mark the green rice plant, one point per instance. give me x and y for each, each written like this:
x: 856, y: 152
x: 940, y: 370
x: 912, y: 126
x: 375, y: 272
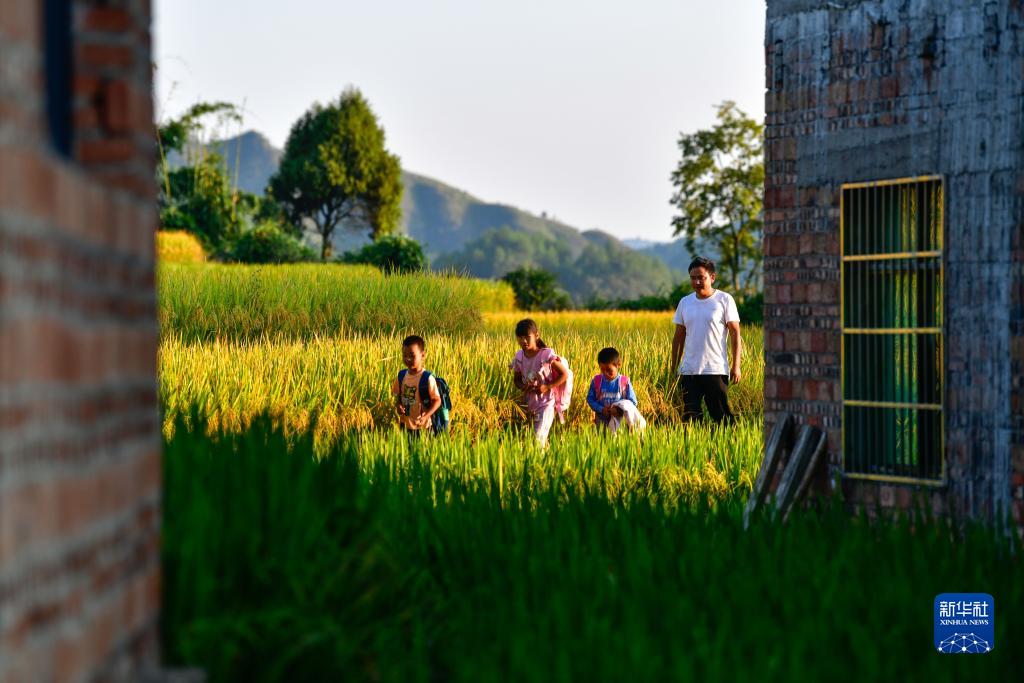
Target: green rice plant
x: 200, y: 302
x: 672, y: 465
x: 343, y: 382
x: 382, y: 563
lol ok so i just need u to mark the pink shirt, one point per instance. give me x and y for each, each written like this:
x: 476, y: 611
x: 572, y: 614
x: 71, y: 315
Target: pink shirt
x: 537, y: 369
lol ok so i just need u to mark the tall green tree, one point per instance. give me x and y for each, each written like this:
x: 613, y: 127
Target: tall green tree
x: 719, y: 191
x: 335, y: 170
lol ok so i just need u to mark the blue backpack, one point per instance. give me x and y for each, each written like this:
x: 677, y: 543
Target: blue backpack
x: 440, y: 420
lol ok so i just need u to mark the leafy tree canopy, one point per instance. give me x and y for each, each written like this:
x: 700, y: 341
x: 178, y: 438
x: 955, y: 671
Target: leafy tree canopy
x: 719, y: 188
x: 335, y: 170
x: 176, y: 134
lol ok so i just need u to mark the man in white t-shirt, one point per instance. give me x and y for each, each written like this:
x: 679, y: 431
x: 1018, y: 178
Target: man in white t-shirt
x: 704, y: 320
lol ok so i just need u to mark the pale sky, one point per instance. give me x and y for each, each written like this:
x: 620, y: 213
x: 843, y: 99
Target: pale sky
x: 572, y: 107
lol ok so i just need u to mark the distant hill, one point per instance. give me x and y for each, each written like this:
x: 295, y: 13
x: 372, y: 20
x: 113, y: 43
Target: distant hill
x: 458, y: 230
x: 250, y: 155
x: 639, y: 244
x: 444, y: 219
x: 261, y: 160
x: 602, y: 269
x: 675, y: 254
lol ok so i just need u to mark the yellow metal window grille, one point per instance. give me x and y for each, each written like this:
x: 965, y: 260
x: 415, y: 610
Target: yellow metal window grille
x: 891, y: 236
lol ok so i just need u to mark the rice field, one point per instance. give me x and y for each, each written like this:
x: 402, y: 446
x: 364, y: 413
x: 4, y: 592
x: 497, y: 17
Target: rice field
x: 307, y: 539
x: 667, y: 466
x: 339, y: 383
x: 178, y: 246
x: 336, y: 385
x: 236, y: 302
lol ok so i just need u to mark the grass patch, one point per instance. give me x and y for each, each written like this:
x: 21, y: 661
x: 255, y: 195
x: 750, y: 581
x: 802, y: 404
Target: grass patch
x: 203, y: 302
x: 281, y: 566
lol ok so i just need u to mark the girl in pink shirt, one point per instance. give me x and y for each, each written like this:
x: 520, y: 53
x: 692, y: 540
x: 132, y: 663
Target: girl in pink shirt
x: 537, y: 370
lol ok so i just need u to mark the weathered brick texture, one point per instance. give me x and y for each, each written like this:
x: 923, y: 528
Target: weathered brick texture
x: 79, y: 430
x: 871, y: 90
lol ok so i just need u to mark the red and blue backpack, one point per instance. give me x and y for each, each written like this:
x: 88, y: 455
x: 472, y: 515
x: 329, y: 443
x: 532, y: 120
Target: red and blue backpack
x: 623, y: 383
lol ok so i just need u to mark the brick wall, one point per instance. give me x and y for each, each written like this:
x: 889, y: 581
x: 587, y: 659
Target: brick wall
x: 79, y: 432
x: 1017, y: 365
x: 862, y: 91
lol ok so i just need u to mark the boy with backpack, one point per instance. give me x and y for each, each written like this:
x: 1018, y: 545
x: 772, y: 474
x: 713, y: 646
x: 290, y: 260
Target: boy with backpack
x: 422, y: 399
x: 611, y: 395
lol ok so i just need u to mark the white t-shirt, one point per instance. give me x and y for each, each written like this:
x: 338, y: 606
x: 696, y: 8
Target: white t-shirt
x: 706, y: 334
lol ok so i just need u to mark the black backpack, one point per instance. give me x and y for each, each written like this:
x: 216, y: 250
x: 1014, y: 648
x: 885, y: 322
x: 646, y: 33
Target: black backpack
x: 440, y: 420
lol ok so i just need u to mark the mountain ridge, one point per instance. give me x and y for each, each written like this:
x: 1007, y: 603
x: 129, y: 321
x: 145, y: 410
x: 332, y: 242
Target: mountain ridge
x: 453, y: 226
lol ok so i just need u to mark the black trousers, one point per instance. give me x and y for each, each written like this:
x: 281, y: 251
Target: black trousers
x: 712, y: 389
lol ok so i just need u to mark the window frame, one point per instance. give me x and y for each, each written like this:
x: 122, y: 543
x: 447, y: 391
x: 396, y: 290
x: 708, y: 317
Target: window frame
x: 58, y: 66
x: 939, y: 331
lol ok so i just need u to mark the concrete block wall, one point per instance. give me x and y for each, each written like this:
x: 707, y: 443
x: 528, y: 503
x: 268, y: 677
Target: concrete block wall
x: 79, y: 431
x: 870, y: 90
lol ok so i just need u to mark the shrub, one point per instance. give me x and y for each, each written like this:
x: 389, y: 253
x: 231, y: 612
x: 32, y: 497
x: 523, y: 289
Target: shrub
x: 537, y: 290
x: 751, y: 308
x: 651, y: 302
x: 654, y: 302
x: 390, y: 253
x: 267, y: 243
